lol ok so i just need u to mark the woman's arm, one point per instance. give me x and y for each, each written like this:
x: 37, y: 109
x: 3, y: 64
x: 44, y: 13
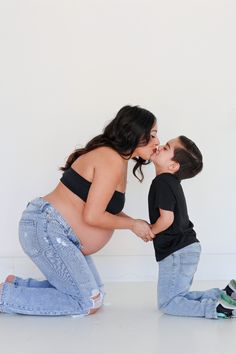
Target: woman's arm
x: 123, y: 215
x: 164, y: 221
x: 109, y: 170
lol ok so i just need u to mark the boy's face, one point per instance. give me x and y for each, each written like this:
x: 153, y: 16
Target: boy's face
x: 162, y: 159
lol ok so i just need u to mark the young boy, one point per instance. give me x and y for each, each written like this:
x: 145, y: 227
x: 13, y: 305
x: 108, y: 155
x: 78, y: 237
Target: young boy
x: 176, y: 247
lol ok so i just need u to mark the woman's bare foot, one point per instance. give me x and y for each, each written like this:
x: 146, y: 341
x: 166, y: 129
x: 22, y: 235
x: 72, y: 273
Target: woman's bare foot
x: 10, y: 278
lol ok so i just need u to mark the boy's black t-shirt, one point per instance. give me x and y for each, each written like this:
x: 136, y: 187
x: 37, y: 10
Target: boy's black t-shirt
x: 166, y: 193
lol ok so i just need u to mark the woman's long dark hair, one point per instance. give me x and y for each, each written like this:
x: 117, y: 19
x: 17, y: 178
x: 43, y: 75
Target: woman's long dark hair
x: 130, y: 128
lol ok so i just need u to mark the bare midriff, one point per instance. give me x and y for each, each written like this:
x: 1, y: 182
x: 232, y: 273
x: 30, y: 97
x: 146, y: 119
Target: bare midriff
x: 71, y: 207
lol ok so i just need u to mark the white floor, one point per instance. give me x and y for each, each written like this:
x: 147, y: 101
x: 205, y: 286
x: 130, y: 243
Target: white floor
x: 128, y: 323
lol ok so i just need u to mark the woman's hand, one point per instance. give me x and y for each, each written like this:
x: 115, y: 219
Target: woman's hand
x: 142, y: 229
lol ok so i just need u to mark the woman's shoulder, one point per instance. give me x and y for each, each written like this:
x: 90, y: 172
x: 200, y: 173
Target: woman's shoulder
x: 106, y: 162
x: 105, y: 152
x: 101, y: 156
x: 101, y: 160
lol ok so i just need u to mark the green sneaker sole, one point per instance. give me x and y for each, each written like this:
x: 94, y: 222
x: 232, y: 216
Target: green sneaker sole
x: 222, y: 315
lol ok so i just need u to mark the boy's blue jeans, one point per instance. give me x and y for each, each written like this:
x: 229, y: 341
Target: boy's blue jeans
x: 72, y: 285
x: 174, y: 281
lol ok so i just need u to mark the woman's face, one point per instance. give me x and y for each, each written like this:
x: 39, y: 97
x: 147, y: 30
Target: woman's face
x: 146, y: 151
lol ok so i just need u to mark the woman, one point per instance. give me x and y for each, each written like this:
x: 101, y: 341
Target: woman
x: 61, y: 230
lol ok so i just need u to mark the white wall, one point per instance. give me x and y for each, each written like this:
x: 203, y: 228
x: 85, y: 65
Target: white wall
x: 67, y: 66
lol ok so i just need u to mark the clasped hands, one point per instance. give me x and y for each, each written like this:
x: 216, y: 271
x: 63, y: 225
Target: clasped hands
x: 143, y: 230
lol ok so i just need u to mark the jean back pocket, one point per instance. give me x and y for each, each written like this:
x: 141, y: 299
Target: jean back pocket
x: 28, y: 237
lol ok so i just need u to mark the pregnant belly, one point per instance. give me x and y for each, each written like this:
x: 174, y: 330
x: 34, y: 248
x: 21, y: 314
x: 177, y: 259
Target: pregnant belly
x: 93, y: 239
x: 71, y: 208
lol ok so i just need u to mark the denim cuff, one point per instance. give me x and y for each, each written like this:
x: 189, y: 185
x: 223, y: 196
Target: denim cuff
x: 211, y: 309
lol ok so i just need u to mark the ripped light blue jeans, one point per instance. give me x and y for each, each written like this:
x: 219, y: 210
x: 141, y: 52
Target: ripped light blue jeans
x: 72, y: 285
x: 174, y: 281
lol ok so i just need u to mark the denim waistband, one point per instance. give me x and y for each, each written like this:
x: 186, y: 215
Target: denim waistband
x: 39, y: 204
x: 193, y: 247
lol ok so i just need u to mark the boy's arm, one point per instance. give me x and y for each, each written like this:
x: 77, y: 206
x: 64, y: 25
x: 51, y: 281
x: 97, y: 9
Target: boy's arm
x: 164, y: 221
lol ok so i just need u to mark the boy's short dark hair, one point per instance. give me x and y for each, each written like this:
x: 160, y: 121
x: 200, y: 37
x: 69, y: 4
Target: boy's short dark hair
x: 189, y: 158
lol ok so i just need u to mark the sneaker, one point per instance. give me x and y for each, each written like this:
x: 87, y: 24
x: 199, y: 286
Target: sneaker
x: 230, y: 289
x: 226, y: 306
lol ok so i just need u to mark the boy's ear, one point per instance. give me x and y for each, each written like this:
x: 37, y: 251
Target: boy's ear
x: 174, y: 166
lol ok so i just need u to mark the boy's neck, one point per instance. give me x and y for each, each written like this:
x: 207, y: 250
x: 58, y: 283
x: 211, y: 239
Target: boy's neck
x: 160, y: 170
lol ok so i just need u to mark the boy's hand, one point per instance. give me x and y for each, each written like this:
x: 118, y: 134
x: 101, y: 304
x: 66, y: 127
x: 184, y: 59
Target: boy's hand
x: 142, y: 229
